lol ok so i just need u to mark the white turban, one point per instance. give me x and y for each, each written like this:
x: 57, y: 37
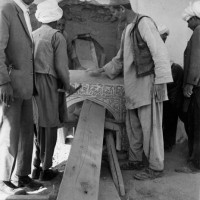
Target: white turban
x: 192, y: 10
x: 163, y: 29
x: 48, y: 11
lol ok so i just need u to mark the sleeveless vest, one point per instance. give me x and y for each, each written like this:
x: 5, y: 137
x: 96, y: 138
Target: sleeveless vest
x: 142, y: 55
x: 44, y: 52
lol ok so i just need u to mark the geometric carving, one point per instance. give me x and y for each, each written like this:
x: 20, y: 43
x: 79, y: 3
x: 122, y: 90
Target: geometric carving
x: 102, y: 90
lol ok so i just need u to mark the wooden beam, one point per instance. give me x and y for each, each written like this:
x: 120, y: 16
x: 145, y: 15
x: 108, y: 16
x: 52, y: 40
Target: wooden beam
x: 114, y: 164
x: 107, y: 189
x: 118, y: 129
x: 81, y: 177
x: 24, y: 197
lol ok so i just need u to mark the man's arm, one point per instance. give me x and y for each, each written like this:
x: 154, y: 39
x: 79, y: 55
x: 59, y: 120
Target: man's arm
x: 6, y: 92
x: 193, y: 76
x: 159, y: 53
x: 114, y: 67
x: 61, y: 61
x: 4, y: 36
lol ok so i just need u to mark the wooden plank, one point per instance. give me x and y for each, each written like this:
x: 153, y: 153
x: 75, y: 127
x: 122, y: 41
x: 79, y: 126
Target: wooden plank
x: 24, y: 197
x: 107, y: 190
x: 114, y: 164
x: 112, y: 126
x: 115, y: 127
x: 82, y: 172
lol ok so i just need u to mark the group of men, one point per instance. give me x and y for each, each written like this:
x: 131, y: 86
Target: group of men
x: 35, y: 64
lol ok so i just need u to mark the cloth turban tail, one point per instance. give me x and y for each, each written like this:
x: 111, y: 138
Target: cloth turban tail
x: 192, y: 10
x: 48, y: 11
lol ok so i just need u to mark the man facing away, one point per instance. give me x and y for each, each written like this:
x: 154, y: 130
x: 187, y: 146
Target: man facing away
x: 144, y: 60
x: 51, y: 74
x: 16, y: 127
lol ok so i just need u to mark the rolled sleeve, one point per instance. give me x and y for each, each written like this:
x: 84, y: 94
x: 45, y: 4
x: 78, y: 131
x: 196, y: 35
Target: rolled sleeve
x: 115, y: 66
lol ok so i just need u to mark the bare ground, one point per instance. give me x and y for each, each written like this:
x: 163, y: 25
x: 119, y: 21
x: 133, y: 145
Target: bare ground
x: 172, y: 186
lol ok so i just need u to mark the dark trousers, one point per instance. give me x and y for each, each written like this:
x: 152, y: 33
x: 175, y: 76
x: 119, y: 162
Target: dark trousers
x: 170, y: 119
x: 192, y: 126
x: 45, y: 141
x: 16, y: 138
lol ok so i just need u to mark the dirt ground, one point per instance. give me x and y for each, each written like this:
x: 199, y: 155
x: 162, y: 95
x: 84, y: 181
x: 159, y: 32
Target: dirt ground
x: 172, y: 186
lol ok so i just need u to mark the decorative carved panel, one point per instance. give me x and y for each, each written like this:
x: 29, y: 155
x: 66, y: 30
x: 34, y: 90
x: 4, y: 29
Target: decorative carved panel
x: 102, y: 90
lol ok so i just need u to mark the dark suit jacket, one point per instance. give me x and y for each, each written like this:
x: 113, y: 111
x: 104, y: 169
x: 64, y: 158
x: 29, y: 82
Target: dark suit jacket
x: 192, y: 59
x: 16, y: 47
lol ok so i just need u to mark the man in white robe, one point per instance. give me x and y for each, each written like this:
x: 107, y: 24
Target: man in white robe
x: 145, y: 91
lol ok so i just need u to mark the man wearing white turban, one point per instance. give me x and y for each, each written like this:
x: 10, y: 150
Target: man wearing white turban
x: 192, y: 10
x: 145, y: 63
x: 48, y: 11
x: 191, y: 88
x: 51, y: 68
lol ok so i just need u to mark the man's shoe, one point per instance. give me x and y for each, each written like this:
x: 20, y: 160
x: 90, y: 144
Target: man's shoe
x: 148, y: 174
x: 36, y: 172
x: 26, y: 181
x: 47, y: 175
x: 9, y: 188
x: 189, y: 168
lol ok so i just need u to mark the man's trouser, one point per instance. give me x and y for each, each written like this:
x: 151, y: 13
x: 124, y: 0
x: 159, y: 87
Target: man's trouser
x: 16, y: 138
x: 144, y: 129
x: 192, y: 126
x: 45, y: 142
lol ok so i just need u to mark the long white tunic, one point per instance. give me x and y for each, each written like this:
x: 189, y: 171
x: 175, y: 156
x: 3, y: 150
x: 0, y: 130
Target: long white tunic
x: 138, y: 90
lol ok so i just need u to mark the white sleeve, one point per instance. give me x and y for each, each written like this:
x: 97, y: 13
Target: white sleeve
x: 150, y: 35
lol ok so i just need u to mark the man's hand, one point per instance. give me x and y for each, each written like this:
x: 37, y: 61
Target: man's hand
x: 6, y: 94
x: 187, y: 90
x: 74, y: 90
x: 159, y: 91
x: 95, y: 72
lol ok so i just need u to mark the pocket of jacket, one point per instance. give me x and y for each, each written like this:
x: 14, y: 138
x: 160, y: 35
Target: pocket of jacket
x: 22, y: 83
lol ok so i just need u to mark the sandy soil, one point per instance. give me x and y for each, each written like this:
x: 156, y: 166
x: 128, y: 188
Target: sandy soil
x: 172, y: 186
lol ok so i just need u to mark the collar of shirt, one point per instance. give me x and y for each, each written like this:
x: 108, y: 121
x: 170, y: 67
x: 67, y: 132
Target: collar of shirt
x: 22, y: 5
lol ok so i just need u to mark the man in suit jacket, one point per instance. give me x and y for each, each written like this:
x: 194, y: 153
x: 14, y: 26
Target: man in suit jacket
x: 16, y: 118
